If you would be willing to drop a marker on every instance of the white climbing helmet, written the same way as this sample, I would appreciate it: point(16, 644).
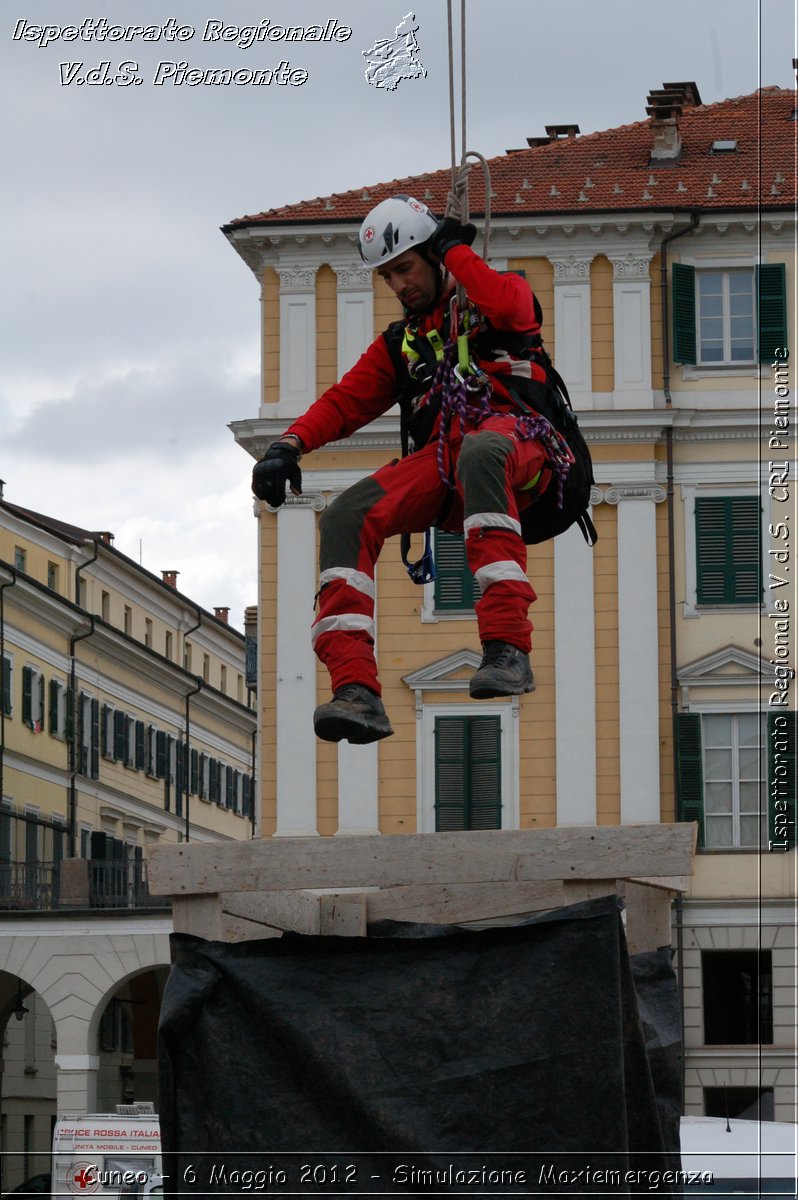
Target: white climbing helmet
point(394, 226)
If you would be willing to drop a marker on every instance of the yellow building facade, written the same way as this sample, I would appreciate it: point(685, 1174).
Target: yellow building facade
point(664, 657)
point(126, 720)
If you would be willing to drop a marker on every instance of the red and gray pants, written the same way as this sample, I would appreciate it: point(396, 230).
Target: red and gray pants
point(491, 468)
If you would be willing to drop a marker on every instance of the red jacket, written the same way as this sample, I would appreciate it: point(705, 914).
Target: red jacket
point(370, 387)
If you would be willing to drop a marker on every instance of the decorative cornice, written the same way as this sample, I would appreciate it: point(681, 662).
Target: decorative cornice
point(312, 500)
point(353, 278)
point(297, 278)
point(566, 270)
point(643, 491)
point(630, 266)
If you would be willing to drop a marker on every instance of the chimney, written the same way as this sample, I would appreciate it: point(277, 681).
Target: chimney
point(222, 614)
point(170, 578)
point(665, 106)
point(557, 133)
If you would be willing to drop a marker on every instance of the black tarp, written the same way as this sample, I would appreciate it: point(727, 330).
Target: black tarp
point(500, 1061)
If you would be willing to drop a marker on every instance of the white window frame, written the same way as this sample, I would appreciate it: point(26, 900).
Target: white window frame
point(508, 713)
point(753, 370)
point(724, 274)
point(734, 709)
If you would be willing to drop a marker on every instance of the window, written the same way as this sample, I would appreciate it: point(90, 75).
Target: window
point(33, 699)
point(128, 620)
point(167, 648)
point(725, 303)
point(187, 656)
point(738, 997)
point(52, 576)
point(727, 318)
point(89, 736)
point(736, 774)
point(728, 550)
point(20, 558)
point(147, 632)
point(105, 606)
point(745, 1103)
point(206, 667)
point(455, 589)
point(57, 708)
point(223, 678)
point(467, 773)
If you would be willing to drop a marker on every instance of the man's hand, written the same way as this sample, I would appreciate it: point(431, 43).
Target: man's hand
point(278, 467)
point(448, 233)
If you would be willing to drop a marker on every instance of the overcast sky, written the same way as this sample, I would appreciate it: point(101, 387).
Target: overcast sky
point(129, 325)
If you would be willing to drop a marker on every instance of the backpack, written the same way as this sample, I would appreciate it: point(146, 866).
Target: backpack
point(545, 517)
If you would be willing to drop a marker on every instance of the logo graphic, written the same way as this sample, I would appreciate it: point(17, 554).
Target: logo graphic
point(390, 60)
point(368, 234)
point(414, 204)
point(82, 1178)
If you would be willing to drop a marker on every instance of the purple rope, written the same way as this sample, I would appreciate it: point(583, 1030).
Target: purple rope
point(474, 406)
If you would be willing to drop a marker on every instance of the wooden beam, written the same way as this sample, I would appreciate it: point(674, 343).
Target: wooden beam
point(452, 903)
point(495, 856)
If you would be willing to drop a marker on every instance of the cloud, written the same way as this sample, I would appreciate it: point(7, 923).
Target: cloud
point(158, 410)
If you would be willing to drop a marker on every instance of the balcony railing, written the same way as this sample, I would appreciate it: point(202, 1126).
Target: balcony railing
point(75, 883)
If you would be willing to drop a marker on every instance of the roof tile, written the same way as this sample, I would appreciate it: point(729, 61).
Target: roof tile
point(615, 165)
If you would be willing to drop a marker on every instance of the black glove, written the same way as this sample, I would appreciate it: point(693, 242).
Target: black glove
point(279, 466)
point(448, 233)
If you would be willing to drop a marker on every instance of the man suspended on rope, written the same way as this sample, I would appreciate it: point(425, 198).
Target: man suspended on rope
point(476, 460)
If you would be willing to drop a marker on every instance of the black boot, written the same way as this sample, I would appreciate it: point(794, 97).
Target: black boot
point(355, 714)
point(504, 671)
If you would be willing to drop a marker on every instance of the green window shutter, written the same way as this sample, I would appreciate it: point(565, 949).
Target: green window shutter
point(119, 736)
point(194, 773)
point(83, 749)
point(95, 739)
point(771, 289)
point(7, 706)
point(467, 773)
point(27, 696)
point(53, 697)
point(455, 589)
point(684, 327)
point(160, 755)
point(141, 746)
point(70, 715)
point(451, 773)
point(728, 550)
point(782, 779)
point(689, 771)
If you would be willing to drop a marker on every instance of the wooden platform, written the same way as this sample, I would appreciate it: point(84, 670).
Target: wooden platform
point(234, 891)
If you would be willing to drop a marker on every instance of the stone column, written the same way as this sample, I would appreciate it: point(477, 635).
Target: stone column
point(575, 673)
point(295, 693)
point(572, 325)
point(297, 338)
point(355, 297)
point(631, 296)
point(76, 1082)
point(638, 649)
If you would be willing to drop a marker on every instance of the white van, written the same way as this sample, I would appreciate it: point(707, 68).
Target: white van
point(106, 1155)
point(748, 1158)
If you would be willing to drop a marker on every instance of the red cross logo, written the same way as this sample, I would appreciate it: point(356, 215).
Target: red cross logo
point(368, 234)
point(82, 1178)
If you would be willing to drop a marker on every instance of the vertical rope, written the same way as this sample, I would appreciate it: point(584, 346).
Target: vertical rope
point(451, 91)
